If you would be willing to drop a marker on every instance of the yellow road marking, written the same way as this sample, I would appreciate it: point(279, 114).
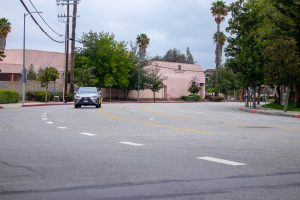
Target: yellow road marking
point(292, 129)
point(111, 115)
point(168, 115)
point(175, 128)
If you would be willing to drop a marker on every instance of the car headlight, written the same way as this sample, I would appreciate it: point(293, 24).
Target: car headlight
point(77, 97)
point(94, 97)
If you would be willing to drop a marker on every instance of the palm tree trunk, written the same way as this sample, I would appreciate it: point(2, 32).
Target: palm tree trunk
point(287, 98)
point(72, 64)
point(2, 42)
point(298, 95)
point(254, 97)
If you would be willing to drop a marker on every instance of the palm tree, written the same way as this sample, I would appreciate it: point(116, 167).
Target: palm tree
point(219, 38)
point(5, 28)
point(219, 11)
point(143, 42)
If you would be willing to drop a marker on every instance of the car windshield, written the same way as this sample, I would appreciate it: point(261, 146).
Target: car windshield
point(87, 90)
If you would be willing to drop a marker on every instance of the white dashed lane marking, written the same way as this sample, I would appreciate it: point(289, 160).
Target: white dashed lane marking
point(131, 143)
point(218, 160)
point(87, 134)
point(62, 127)
point(50, 122)
point(44, 118)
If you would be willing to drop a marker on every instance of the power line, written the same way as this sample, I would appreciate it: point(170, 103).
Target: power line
point(28, 11)
point(184, 70)
point(44, 19)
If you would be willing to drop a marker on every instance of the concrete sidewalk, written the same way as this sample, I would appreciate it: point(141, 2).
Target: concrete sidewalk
point(273, 112)
point(32, 104)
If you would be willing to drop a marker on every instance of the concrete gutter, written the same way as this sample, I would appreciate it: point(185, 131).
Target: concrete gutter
point(271, 112)
point(32, 104)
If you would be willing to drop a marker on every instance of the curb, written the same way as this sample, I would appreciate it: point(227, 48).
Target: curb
point(106, 102)
point(48, 104)
point(270, 113)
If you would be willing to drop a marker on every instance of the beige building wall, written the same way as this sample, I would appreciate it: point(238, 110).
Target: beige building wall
point(180, 76)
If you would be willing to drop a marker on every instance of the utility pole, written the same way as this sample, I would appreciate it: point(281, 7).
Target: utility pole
point(72, 61)
point(65, 18)
point(67, 50)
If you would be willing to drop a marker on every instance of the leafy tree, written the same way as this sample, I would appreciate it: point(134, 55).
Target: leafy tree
point(285, 20)
point(32, 75)
point(174, 55)
point(245, 49)
point(229, 82)
point(47, 75)
point(283, 66)
point(138, 73)
point(85, 76)
point(109, 60)
point(194, 89)
point(5, 28)
point(155, 80)
point(189, 57)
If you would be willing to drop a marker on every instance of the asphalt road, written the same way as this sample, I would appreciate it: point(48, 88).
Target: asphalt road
point(148, 151)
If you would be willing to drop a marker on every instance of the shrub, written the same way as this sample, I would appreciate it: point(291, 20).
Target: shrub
point(191, 97)
point(38, 96)
point(213, 98)
point(69, 97)
point(8, 96)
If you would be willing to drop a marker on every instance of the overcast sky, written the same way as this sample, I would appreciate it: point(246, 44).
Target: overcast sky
point(168, 24)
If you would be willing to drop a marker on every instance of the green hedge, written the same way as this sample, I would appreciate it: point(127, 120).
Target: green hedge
point(191, 97)
point(8, 96)
point(38, 96)
point(213, 98)
point(69, 97)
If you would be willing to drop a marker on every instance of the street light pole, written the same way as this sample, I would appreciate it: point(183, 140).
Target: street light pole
point(24, 61)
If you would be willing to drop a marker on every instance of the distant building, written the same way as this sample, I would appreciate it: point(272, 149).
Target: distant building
point(12, 65)
point(180, 75)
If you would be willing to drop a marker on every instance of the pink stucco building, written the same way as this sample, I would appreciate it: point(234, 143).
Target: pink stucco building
point(179, 75)
point(12, 64)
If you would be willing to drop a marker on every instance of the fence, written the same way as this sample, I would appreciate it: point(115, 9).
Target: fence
point(31, 86)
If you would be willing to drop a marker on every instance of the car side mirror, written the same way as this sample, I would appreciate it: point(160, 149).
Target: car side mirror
point(75, 92)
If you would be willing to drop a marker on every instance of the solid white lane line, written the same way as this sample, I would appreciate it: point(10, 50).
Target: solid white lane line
point(87, 134)
point(227, 162)
point(131, 143)
point(50, 122)
point(44, 118)
point(62, 127)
